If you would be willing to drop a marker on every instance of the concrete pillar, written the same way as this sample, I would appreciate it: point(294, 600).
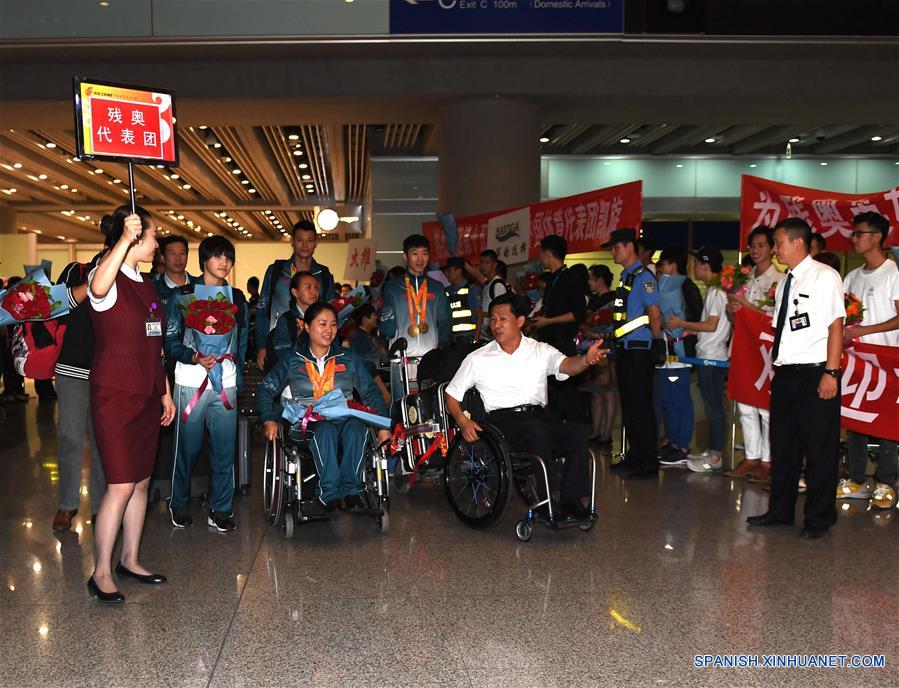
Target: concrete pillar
point(489, 156)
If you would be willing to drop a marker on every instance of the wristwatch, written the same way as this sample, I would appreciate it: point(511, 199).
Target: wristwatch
point(833, 372)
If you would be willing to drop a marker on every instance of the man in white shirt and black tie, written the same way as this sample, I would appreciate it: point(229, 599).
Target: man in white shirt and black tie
point(510, 374)
point(805, 392)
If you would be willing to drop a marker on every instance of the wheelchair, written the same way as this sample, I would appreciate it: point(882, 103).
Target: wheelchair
point(477, 478)
point(290, 477)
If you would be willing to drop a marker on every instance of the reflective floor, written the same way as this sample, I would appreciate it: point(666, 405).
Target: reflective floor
point(669, 572)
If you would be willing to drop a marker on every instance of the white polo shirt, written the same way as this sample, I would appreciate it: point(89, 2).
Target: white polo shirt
point(817, 291)
point(879, 290)
point(508, 380)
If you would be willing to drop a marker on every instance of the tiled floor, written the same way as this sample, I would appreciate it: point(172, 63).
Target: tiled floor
point(669, 572)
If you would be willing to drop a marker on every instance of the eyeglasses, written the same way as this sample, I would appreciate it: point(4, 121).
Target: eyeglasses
point(859, 232)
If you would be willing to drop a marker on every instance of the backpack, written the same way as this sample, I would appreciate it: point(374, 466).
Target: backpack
point(36, 346)
point(491, 290)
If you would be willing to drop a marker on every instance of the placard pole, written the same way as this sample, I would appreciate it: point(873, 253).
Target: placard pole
point(131, 187)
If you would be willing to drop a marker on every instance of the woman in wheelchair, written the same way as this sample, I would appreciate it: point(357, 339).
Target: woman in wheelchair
point(319, 365)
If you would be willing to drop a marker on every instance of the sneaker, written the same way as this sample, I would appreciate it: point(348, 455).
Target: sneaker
point(745, 468)
point(705, 463)
point(181, 517)
point(848, 489)
point(673, 457)
point(221, 521)
point(884, 497)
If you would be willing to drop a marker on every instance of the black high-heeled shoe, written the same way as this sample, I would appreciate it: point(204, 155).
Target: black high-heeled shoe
point(106, 597)
point(149, 578)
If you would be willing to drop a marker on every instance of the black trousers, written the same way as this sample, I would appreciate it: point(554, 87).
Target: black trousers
point(803, 426)
point(543, 434)
point(635, 369)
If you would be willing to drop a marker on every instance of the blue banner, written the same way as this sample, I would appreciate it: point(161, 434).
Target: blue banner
point(506, 16)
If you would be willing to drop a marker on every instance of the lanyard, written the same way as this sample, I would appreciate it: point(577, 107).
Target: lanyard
point(417, 300)
point(321, 383)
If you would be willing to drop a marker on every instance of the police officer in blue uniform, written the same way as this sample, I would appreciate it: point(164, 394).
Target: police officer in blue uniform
point(638, 324)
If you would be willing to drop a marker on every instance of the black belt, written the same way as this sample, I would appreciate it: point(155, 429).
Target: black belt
point(792, 366)
point(636, 344)
point(524, 408)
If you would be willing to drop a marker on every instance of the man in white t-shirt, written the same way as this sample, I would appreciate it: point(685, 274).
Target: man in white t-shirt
point(876, 283)
point(712, 345)
point(510, 375)
point(753, 420)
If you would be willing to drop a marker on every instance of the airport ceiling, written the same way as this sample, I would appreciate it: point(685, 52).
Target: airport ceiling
point(269, 129)
point(254, 182)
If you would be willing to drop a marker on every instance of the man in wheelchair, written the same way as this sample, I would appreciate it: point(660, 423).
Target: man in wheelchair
point(510, 374)
point(319, 365)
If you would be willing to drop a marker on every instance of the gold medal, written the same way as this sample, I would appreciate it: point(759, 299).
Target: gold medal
point(423, 327)
point(413, 331)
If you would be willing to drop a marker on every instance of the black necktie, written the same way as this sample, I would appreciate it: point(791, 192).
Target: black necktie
point(781, 317)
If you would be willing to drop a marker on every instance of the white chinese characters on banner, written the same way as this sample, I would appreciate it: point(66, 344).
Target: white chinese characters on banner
point(509, 235)
point(360, 260)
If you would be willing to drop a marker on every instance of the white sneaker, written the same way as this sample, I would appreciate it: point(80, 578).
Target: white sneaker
point(705, 463)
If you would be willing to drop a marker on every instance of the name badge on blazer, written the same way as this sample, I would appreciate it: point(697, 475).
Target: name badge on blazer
point(799, 322)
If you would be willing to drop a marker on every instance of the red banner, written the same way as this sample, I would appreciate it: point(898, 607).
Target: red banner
point(764, 202)
point(869, 387)
point(585, 220)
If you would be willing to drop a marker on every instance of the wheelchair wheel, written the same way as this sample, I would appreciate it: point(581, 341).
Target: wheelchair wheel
point(524, 530)
point(289, 523)
point(271, 476)
point(477, 479)
point(401, 484)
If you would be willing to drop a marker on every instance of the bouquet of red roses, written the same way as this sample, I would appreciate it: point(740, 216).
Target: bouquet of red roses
point(209, 323)
point(855, 310)
point(33, 298)
point(734, 279)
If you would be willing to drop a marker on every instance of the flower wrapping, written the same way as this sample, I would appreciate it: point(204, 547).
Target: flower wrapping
point(34, 298)
point(855, 310)
point(345, 305)
point(332, 405)
point(209, 315)
point(734, 279)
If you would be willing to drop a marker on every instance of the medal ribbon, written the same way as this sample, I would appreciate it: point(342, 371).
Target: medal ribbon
point(417, 301)
point(321, 384)
point(193, 402)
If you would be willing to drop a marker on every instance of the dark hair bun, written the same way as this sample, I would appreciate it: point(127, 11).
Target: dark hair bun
point(107, 225)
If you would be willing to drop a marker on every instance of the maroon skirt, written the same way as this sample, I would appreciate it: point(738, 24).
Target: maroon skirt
point(127, 430)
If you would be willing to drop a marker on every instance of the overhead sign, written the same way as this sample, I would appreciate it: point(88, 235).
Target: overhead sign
point(124, 123)
point(766, 202)
point(360, 260)
point(506, 16)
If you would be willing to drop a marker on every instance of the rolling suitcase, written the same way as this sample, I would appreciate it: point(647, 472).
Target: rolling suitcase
point(244, 451)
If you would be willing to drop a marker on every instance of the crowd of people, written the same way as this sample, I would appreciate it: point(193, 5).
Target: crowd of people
point(133, 359)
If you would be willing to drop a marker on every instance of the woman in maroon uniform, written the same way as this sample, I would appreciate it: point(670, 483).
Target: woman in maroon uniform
point(129, 393)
